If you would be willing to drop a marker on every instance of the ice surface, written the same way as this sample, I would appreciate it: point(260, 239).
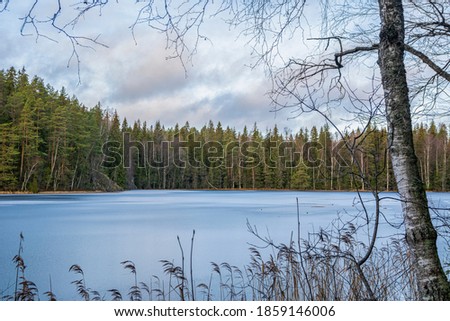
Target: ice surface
point(99, 230)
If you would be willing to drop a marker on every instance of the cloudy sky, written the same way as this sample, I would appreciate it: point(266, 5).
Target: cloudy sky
point(137, 79)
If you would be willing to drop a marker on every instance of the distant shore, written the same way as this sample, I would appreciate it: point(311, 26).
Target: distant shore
point(182, 189)
point(49, 192)
point(219, 189)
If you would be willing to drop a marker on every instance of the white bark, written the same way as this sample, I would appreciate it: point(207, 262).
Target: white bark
point(420, 233)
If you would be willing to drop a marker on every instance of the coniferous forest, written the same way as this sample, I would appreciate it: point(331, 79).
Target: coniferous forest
point(49, 141)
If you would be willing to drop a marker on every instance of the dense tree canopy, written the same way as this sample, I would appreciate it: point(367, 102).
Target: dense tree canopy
point(50, 141)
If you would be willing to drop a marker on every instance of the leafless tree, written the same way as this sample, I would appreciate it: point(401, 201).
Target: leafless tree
point(361, 54)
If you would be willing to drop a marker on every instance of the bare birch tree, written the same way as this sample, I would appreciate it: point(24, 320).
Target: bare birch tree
point(420, 233)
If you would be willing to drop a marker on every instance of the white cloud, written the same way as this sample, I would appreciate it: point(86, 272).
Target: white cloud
point(139, 81)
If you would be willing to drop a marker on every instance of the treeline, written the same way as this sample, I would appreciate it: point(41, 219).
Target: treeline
point(50, 141)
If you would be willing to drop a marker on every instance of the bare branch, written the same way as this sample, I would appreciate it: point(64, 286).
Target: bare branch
point(4, 5)
point(339, 55)
point(440, 71)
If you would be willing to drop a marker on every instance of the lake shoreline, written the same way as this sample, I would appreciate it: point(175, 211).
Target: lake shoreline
point(180, 189)
point(50, 192)
point(200, 190)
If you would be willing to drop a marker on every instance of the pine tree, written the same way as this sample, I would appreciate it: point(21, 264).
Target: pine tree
point(300, 179)
point(115, 170)
point(8, 157)
point(29, 145)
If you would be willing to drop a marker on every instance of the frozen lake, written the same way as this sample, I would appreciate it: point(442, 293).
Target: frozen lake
point(97, 231)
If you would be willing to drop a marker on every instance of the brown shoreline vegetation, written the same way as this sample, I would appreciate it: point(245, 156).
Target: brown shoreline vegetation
point(320, 269)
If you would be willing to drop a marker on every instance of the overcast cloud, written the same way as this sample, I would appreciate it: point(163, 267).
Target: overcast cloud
point(139, 82)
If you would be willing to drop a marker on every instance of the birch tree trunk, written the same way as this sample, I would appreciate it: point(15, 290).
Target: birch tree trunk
point(444, 169)
point(420, 233)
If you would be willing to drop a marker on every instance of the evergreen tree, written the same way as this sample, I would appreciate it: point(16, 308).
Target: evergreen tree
point(300, 179)
point(8, 157)
point(29, 145)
